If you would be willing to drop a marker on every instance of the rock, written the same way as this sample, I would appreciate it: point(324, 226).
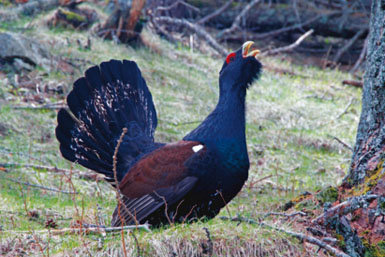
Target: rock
point(23, 52)
point(3, 129)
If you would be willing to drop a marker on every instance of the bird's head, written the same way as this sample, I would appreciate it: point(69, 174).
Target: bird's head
point(241, 67)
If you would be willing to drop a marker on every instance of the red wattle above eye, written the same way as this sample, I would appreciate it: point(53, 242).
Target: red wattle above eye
point(230, 58)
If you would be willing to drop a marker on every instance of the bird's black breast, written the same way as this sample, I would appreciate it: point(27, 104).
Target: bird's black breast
point(218, 183)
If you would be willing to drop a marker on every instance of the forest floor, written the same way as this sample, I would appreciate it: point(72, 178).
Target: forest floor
point(293, 123)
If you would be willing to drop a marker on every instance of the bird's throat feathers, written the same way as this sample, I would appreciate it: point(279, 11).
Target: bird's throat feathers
point(226, 122)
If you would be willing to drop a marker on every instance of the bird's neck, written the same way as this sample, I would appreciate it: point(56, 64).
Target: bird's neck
point(226, 124)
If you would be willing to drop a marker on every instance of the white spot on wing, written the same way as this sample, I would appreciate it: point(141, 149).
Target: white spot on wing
point(197, 148)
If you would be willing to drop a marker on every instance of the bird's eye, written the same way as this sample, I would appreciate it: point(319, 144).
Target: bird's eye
point(230, 58)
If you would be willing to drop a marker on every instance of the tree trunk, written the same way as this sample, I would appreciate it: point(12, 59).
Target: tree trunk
point(369, 151)
point(361, 222)
point(122, 22)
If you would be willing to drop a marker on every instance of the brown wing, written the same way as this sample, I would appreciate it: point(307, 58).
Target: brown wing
point(160, 176)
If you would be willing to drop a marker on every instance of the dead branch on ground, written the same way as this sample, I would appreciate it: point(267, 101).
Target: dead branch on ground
point(293, 27)
point(300, 236)
point(353, 83)
point(201, 32)
point(50, 106)
point(84, 230)
point(346, 108)
point(342, 143)
point(362, 56)
point(287, 215)
point(346, 207)
point(289, 47)
point(81, 174)
point(348, 45)
point(41, 187)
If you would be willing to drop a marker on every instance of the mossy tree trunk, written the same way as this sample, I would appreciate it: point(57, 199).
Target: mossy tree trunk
point(369, 151)
point(360, 225)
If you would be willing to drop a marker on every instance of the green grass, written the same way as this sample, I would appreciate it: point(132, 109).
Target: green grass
point(290, 124)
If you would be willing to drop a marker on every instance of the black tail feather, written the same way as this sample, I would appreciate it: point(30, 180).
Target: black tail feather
point(109, 98)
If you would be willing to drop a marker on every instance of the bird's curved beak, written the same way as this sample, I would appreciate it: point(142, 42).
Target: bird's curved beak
point(246, 50)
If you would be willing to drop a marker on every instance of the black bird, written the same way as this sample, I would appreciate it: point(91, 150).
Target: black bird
point(160, 183)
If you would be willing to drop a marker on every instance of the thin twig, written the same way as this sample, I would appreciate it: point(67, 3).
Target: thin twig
point(54, 106)
point(346, 108)
point(216, 13)
point(81, 174)
point(117, 190)
point(223, 199)
point(87, 230)
point(288, 215)
point(341, 142)
point(262, 179)
point(299, 236)
point(289, 47)
point(41, 187)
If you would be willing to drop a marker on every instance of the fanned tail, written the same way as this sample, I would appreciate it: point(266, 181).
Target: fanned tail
point(107, 99)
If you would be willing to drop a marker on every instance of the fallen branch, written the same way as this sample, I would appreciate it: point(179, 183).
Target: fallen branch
point(81, 174)
point(348, 45)
point(342, 142)
point(346, 108)
point(353, 83)
point(52, 106)
point(216, 13)
point(312, 240)
point(299, 236)
point(262, 179)
point(344, 208)
point(41, 187)
point(162, 32)
point(197, 29)
point(86, 230)
point(293, 27)
point(238, 19)
point(289, 47)
point(362, 56)
point(287, 215)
